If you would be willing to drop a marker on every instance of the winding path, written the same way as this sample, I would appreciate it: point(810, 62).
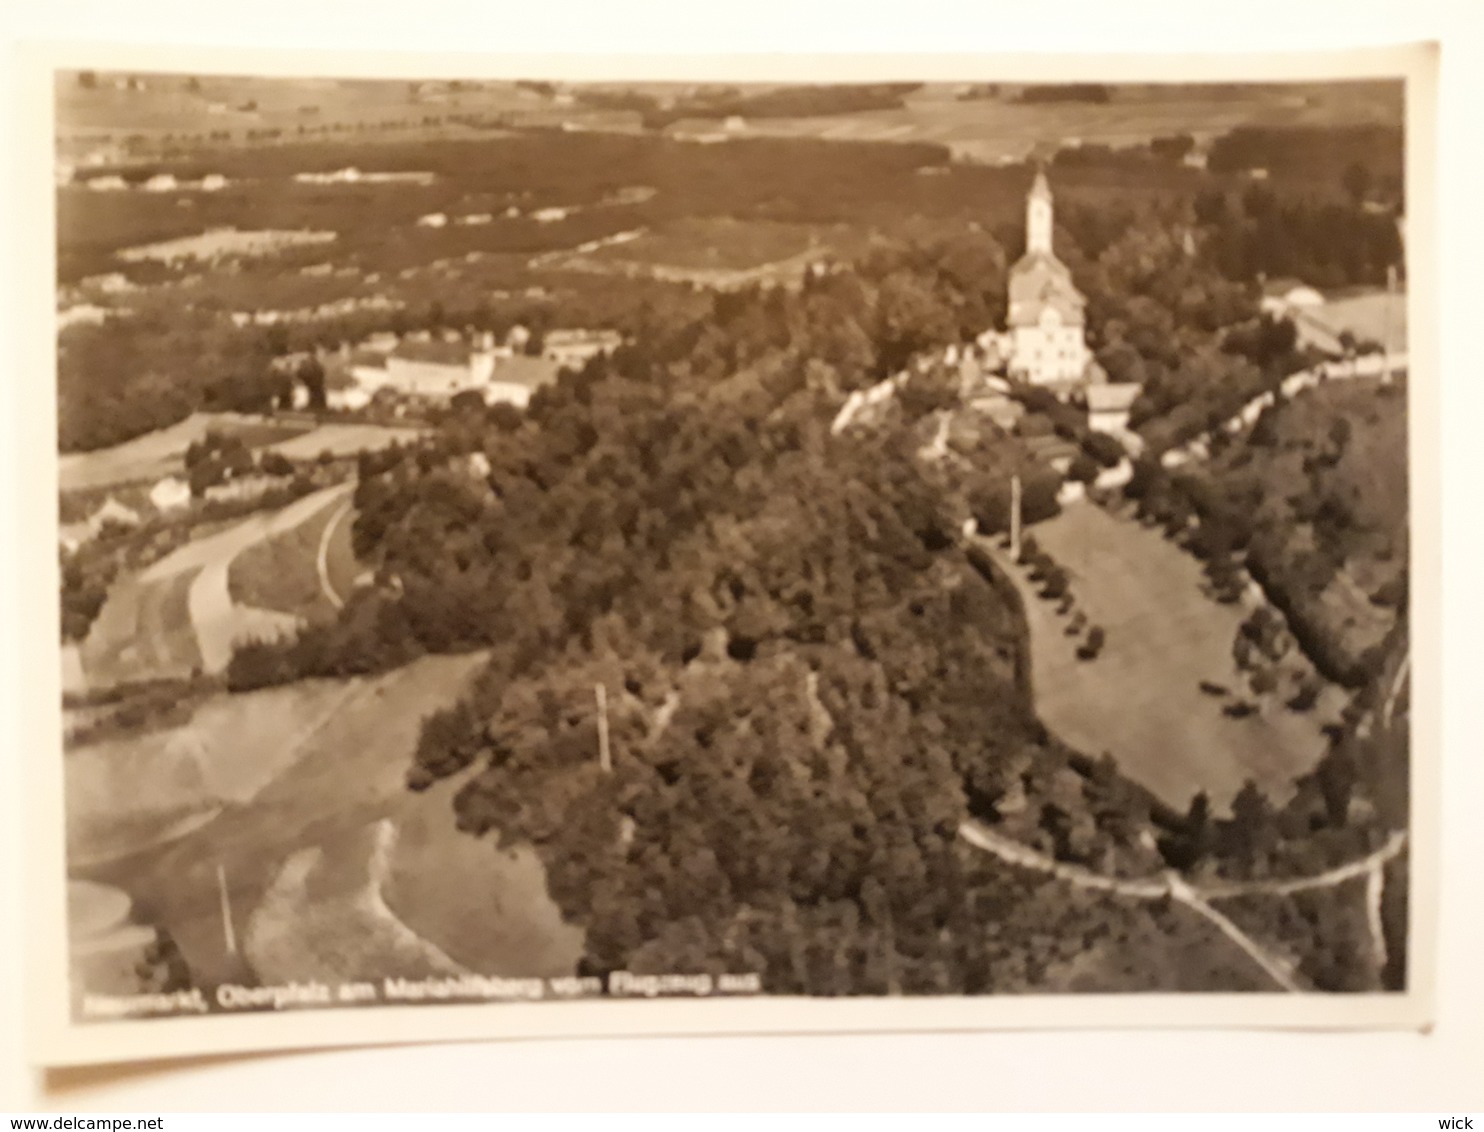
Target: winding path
point(322, 558)
point(1172, 885)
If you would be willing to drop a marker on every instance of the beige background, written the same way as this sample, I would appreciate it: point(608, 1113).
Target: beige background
point(1006, 1070)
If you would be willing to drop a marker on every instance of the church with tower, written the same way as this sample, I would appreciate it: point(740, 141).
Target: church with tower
point(1046, 323)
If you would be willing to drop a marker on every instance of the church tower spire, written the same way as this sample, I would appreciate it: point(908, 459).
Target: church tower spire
point(1038, 217)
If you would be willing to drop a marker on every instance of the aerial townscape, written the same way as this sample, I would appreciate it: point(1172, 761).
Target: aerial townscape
point(890, 539)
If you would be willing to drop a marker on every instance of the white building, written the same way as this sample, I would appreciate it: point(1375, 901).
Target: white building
point(1046, 319)
point(170, 494)
point(438, 370)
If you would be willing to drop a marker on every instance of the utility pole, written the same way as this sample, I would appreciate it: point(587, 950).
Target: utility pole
point(1386, 324)
point(1015, 518)
point(605, 758)
point(228, 934)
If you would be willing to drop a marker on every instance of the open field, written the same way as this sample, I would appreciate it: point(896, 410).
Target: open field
point(222, 243)
point(330, 762)
point(143, 631)
point(713, 251)
point(102, 118)
point(1003, 128)
point(178, 614)
point(484, 907)
point(281, 573)
point(123, 792)
point(323, 918)
point(716, 243)
point(161, 453)
point(344, 440)
point(1140, 699)
point(1372, 314)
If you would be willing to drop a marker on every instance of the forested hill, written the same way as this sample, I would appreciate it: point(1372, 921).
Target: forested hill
point(808, 686)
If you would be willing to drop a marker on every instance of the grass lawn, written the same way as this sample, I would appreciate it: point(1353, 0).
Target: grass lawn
point(1140, 700)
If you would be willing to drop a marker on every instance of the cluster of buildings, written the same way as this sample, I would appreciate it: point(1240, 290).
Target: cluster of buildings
point(439, 367)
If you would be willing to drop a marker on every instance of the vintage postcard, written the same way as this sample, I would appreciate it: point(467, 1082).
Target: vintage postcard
point(555, 546)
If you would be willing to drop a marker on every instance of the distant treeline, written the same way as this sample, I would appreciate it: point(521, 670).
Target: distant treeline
point(1284, 149)
point(1066, 92)
point(810, 101)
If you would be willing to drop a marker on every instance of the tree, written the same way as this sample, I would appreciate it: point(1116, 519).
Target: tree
point(88, 80)
point(1197, 829)
point(1357, 181)
point(1084, 469)
point(312, 374)
point(1056, 584)
point(1254, 833)
point(273, 463)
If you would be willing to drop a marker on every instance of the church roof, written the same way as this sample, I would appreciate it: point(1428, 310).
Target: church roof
point(1041, 187)
point(1039, 280)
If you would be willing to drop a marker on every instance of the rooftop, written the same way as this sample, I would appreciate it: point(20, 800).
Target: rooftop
point(439, 353)
point(1112, 398)
point(522, 369)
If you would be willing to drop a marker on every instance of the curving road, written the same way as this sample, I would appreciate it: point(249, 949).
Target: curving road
point(220, 625)
point(322, 557)
point(1173, 886)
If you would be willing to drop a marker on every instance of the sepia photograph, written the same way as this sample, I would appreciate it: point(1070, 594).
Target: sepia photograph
point(536, 542)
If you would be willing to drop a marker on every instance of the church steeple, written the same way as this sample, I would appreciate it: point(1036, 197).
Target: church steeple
point(1038, 217)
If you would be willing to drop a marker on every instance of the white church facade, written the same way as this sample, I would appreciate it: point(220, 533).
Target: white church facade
point(1046, 321)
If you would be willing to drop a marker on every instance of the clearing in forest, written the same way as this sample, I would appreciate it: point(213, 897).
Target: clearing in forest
point(1140, 699)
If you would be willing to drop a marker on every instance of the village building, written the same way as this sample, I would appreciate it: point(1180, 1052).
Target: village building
point(516, 378)
point(1108, 406)
point(577, 347)
point(1046, 320)
point(436, 369)
point(439, 370)
point(112, 513)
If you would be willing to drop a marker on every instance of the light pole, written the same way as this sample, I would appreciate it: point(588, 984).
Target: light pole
point(1015, 518)
point(605, 758)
